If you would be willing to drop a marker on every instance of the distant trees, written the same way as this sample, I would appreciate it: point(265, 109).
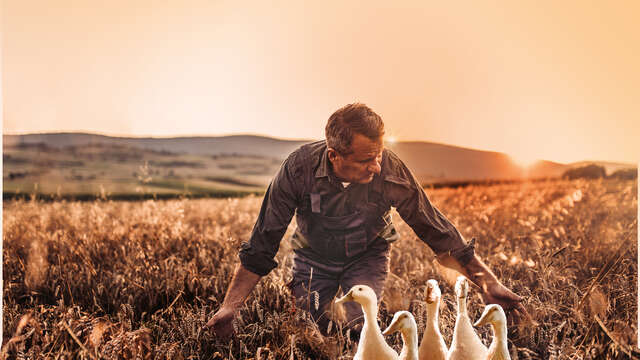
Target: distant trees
point(625, 174)
point(593, 171)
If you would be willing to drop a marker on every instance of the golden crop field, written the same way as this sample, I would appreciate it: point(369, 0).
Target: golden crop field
point(137, 280)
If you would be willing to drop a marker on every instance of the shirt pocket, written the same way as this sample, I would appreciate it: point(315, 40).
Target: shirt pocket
point(355, 242)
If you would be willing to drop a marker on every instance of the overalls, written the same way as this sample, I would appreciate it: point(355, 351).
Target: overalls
point(339, 251)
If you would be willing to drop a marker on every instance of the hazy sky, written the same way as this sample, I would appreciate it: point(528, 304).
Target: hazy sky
point(558, 80)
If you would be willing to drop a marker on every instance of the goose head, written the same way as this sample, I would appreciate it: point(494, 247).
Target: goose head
point(403, 321)
point(433, 346)
point(462, 287)
point(433, 294)
point(362, 294)
point(493, 314)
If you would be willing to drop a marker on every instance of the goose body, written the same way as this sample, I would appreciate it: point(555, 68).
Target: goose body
point(372, 345)
point(465, 345)
point(404, 322)
point(494, 315)
point(433, 346)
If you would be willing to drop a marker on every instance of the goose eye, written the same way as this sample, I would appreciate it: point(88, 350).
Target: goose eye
point(359, 289)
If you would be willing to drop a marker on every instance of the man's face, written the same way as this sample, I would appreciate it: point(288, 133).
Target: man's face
point(362, 163)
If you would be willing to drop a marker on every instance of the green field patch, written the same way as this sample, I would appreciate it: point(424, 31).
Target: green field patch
point(231, 180)
point(47, 197)
point(177, 164)
point(190, 187)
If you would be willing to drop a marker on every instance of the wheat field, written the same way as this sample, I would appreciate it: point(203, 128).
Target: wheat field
point(137, 280)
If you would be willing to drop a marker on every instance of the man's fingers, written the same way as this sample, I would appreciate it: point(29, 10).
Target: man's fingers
point(219, 328)
point(524, 314)
point(518, 315)
point(521, 308)
point(208, 325)
point(517, 298)
point(515, 316)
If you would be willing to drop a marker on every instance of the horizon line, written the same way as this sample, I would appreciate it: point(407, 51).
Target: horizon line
point(129, 136)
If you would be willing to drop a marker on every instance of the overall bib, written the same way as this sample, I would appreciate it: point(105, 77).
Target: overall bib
point(339, 251)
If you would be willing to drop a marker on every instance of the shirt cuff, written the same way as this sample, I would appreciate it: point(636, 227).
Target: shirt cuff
point(254, 262)
point(465, 254)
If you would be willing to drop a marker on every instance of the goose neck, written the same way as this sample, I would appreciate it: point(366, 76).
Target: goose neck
point(370, 313)
point(408, 353)
point(433, 313)
point(500, 334)
point(462, 306)
point(410, 339)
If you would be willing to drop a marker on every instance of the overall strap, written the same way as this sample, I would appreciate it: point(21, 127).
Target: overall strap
point(307, 173)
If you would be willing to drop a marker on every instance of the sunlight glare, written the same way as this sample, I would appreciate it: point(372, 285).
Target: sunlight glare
point(523, 161)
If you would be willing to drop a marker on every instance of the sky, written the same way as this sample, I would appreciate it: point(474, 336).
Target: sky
point(555, 80)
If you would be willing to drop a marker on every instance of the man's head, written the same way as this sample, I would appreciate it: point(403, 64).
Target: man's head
point(354, 139)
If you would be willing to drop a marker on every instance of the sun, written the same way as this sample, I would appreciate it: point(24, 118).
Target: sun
point(523, 160)
point(391, 140)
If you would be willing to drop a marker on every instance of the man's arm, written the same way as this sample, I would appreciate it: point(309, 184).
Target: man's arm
point(256, 255)
point(444, 239)
point(241, 286)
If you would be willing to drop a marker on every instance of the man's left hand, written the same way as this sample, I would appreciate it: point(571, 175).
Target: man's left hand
point(497, 293)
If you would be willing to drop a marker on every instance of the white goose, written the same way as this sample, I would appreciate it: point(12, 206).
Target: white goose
point(404, 322)
point(433, 346)
point(494, 315)
point(465, 345)
point(371, 345)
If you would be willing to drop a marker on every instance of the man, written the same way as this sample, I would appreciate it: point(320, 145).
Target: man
point(341, 191)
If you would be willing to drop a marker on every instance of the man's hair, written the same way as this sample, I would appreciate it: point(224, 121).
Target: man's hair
point(349, 120)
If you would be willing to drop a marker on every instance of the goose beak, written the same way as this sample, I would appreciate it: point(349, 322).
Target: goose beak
point(485, 318)
point(393, 327)
point(481, 321)
point(431, 295)
point(348, 297)
point(461, 288)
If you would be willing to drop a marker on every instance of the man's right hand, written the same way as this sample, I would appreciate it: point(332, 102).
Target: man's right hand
point(221, 323)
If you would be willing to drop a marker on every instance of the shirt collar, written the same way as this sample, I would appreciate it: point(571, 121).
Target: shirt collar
point(323, 169)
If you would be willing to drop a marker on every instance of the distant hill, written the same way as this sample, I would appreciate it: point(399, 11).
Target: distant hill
point(235, 144)
point(431, 162)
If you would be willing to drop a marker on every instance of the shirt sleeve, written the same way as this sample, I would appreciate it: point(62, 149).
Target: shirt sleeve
point(429, 224)
point(278, 207)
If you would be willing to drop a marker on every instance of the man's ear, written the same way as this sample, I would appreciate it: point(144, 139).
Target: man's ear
point(332, 153)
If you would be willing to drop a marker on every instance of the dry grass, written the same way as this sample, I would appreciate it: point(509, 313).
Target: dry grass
point(137, 280)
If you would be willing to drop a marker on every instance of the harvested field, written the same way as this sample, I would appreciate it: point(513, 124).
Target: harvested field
point(137, 280)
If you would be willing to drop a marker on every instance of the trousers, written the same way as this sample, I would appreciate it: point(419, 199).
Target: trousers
point(312, 274)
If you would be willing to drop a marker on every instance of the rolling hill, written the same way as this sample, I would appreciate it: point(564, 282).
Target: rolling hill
point(80, 162)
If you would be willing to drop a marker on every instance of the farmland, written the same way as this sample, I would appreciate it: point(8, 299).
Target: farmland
point(115, 279)
point(120, 171)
